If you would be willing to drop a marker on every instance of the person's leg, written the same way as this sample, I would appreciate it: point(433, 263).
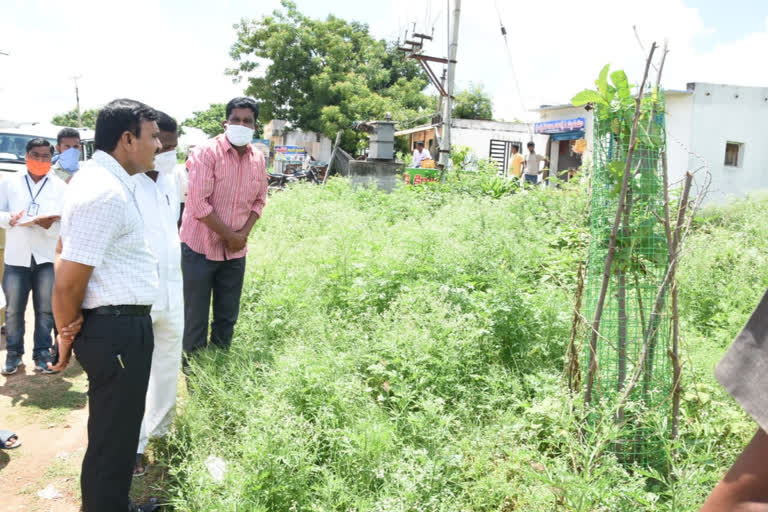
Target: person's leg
point(198, 280)
point(227, 288)
point(166, 361)
point(42, 290)
point(745, 487)
point(17, 282)
point(116, 354)
point(531, 179)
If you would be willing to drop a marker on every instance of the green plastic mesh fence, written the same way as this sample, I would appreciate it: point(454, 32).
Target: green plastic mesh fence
point(633, 342)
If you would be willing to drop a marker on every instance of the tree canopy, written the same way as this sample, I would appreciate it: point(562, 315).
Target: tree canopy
point(473, 103)
point(70, 118)
point(209, 121)
point(322, 75)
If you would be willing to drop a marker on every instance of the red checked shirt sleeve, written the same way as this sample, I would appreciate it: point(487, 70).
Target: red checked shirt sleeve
point(261, 195)
point(201, 182)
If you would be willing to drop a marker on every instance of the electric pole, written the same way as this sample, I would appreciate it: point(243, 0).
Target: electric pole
point(414, 50)
point(445, 146)
point(77, 98)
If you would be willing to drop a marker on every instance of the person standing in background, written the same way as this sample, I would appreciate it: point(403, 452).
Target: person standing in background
point(30, 204)
point(157, 194)
point(227, 193)
point(68, 148)
point(532, 164)
point(516, 161)
point(420, 154)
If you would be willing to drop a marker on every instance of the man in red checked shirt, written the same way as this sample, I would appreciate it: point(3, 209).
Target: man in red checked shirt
point(227, 192)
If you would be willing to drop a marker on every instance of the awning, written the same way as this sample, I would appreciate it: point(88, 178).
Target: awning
point(577, 134)
point(415, 130)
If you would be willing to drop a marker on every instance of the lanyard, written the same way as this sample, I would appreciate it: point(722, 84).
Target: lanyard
point(34, 197)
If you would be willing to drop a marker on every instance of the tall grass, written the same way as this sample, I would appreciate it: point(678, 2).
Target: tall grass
point(404, 352)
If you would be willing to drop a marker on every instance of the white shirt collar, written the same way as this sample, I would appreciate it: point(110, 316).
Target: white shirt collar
point(108, 162)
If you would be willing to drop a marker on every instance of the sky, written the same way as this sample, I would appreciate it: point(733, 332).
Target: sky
point(172, 54)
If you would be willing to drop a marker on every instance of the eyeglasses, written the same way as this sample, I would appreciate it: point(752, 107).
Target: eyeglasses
point(40, 157)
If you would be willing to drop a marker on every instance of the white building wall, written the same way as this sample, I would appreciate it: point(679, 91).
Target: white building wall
point(309, 141)
point(725, 113)
point(678, 125)
point(477, 135)
point(699, 123)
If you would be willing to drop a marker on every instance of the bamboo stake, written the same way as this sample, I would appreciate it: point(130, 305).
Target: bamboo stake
point(676, 368)
point(573, 354)
point(614, 231)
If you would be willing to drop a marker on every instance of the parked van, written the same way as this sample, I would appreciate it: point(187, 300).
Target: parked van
point(13, 144)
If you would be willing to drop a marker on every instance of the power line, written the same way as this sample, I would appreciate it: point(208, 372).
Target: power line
point(512, 67)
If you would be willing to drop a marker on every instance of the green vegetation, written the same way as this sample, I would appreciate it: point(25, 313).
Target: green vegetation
point(209, 121)
point(473, 103)
point(628, 260)
point(322, 75)
point(70, 118)
point(405, 351)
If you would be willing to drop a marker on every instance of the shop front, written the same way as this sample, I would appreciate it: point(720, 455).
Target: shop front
point(567, 145)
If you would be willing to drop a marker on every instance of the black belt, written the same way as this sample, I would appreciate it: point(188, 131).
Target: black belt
point(126, 310)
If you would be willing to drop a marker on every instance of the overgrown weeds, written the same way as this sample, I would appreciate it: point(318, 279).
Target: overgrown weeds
point(404, 352)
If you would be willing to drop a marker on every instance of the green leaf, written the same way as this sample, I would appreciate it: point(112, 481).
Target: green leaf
point(623, 91)
point(603, 86)
point(616, 168)
point(588, 96)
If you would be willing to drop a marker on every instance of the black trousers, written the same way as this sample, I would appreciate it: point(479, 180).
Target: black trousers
point(116, 354)
point(204, 278)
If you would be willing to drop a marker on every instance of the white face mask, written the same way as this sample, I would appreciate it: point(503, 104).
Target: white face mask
point(165, 162)
point(239, 135)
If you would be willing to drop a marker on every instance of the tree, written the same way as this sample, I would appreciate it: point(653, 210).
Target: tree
point(70, 118)
point(473, 103)
point(323, 75)
point(209, 120)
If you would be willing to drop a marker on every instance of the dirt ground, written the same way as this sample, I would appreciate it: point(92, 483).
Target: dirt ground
point(50, 415)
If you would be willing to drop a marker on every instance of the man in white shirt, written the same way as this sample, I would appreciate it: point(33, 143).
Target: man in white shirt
point(420, 154)
point(30, 205)
point(106, 274)
point(532, 164)
point(157, 193)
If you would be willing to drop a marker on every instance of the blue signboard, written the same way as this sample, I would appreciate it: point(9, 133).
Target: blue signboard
point(561, 126)
point(263, 146)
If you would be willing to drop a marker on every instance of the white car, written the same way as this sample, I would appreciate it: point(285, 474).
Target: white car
point(13, 144)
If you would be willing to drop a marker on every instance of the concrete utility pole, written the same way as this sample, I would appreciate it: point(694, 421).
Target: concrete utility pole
point(445, 145)
point(77, 98)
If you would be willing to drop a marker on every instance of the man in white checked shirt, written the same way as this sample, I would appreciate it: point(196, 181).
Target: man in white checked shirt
point(106, 272)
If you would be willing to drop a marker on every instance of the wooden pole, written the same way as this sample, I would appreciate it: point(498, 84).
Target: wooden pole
point(333, 156)
point(573, 353)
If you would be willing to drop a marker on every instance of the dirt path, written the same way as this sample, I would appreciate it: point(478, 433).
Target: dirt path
point(50, 415)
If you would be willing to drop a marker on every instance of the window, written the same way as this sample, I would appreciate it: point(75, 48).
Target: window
point(734, 154)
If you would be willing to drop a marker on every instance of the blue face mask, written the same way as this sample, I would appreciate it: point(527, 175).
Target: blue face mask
point(70, 160)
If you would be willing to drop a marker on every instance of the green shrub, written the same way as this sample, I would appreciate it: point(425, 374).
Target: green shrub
point(404, 352)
